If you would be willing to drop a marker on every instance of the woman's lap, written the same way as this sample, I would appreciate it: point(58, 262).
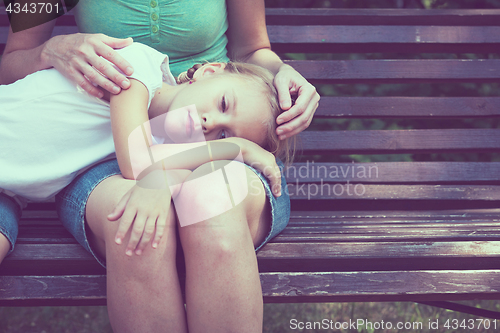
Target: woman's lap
point(71, 204)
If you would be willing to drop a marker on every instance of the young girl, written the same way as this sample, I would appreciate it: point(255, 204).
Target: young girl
point(50, 131)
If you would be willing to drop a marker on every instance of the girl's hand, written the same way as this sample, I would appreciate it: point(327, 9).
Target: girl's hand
point(260, 159)
point(77, 57)
point(298, 117)
point(147, 210)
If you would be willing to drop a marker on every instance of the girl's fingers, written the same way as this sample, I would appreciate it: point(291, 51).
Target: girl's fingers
point(274, 175)
point(137, 232)
point(149, 230)
point(125, 223)
point(120, 208)
point(160, 230)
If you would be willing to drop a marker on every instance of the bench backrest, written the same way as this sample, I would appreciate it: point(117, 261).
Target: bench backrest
point(341, 31)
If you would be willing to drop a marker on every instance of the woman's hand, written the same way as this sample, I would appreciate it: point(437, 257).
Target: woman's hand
point(262, 160)
point(298, 117)
point(147, 210)
point(78, 57)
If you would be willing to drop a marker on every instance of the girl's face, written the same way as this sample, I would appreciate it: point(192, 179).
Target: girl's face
point(217, 107)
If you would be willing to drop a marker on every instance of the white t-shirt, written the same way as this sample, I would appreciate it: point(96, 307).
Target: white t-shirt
point(51, 130)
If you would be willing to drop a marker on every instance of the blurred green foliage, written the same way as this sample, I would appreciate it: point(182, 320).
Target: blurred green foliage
point(428, 90)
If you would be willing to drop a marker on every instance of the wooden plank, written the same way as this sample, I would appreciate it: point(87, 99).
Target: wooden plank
point(384, 39)
point(408, 107)
point(366, 16)
point(380, 286)
point(394, 172)
point(399, 71)
point(279, 287)
point(400, 141)
point(326, 191)
point(45, 290)
point(380, 256)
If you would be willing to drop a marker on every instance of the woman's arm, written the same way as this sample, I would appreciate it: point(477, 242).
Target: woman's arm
point(248, 41)
point(76, 56)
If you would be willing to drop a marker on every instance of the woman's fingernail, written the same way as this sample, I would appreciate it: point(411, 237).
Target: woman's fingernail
point(129, 70)
point(155, 245)
point(118, 241)
point(282, 137)
point(138, 252)
point(116, 89)
point(280, 131)
point(129, 253)
point(125, 84)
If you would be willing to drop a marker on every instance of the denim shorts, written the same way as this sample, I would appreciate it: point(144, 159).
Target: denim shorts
point(10, 214)
point(71, 202)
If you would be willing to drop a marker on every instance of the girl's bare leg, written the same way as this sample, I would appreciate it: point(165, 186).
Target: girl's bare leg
point(143, 291)
point(4, 247)
point(223, 290)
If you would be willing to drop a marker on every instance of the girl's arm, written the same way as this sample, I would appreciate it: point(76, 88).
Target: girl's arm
point(248, 41)
point(136, 153)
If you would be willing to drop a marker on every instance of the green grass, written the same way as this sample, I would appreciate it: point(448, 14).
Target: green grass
point(277, 317)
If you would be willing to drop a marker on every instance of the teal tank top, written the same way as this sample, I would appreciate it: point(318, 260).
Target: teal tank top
point(188, 31)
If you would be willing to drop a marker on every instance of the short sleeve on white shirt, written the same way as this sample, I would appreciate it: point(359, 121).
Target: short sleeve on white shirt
point(150, 67)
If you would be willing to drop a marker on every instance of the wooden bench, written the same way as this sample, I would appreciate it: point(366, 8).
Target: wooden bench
point(388, 231)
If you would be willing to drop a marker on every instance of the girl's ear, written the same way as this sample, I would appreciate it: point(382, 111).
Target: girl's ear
point(209, 69)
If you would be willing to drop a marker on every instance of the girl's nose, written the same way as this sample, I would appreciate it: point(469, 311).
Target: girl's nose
point(208, 122)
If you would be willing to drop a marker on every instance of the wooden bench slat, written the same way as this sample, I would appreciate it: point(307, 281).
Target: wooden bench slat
point(386, 16)
point(280, 287)
point(326, 191)
point(399, 71)
point(381, 256)
point(374, 286)
point(385, 39)
point(400, 141)
point(394, 172)
point(52, 290)
point(408, 107)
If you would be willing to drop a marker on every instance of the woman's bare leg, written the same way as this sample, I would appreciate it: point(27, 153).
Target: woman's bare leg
point(143, 291)
point(223, 290)
point(4, 247)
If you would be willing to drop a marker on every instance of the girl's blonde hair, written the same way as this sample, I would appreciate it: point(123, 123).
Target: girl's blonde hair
point(283, 149)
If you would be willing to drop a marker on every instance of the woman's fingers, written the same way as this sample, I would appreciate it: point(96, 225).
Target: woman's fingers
point(82, 58)
point(297, 117)
point(107, 51)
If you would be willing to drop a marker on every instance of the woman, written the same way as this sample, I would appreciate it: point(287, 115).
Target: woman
point(223, 291)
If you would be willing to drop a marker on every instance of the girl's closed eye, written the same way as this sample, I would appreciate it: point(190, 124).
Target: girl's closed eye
point(223, 103)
